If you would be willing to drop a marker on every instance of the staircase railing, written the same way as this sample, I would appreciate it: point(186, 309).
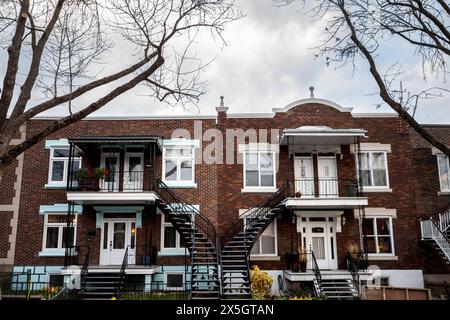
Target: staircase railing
point(317, 274)
point(122, 273)
point(85, 269)
point(356, 261)
point(444, 220)
point(185, 210)
point(253, 215)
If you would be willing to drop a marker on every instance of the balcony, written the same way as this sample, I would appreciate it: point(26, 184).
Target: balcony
point(112, 170)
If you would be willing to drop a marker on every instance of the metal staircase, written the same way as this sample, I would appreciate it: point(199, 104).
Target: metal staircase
point(237, 243)
point(437, 230)
point(199, 235)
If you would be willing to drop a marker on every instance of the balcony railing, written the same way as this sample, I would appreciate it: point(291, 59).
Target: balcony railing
point(328, 187)
point(111, 181)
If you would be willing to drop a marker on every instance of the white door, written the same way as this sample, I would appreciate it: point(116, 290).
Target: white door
point(304, 176)
point(117, 236)
point(111, 162)
point(321, 239)
point(328, 179)
point(133, 175)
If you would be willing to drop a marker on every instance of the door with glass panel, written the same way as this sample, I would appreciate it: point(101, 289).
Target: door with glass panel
point(304, 176)
point(111, 162)
point(133, 175)
point(117, 236)
point(328, 179)
point(322, 241)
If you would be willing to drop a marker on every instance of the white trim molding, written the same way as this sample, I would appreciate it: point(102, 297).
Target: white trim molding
point(377, 212)
point(302, 102)
point(181, 142)
point(372, 146)
point(259, 147)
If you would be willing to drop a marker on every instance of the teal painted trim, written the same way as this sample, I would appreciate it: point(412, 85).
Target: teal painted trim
point(54, 253)
point(179, 185)
point(173, 253)
point(139, 219)
point(57, 143)
point(99, 220)
point(181, 142)
point(61, 186)
point(59, 208)
point(118, 209)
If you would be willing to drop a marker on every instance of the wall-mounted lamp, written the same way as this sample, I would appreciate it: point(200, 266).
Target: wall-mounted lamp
point(341, 156)
point(343, 221)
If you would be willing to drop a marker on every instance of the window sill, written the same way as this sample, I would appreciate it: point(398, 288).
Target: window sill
point(444, 193)
point(259, 190)
point(54, 253)
point(180, 185)
point(173, 253)
point(374, 190)
point(382, 258)
point(257, 257)
point(55, 186)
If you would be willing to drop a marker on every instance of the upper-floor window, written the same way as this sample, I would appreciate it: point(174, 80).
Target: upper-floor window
point(178, 164)
point(373, 170)
point(444, 170)
point(59, 166)
point(259, 169)
point(56, 233)
point(378, 236)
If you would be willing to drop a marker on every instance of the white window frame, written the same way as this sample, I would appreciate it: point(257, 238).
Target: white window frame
point(62, 183)
point(168, 273)
point(60, 232)
point(179, 183)
point(274, 222)
point(259, 187)
point(375, 230)
point(440, 169)
point(372, 187)
point(178, 246)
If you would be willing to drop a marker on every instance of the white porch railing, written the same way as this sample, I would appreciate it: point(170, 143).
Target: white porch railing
point(444, 221)
point(431, 231)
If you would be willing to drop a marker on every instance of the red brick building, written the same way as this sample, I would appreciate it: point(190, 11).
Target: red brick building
point(169, 198)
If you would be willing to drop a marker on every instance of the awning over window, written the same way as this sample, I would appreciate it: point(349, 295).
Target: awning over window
point(321, 135)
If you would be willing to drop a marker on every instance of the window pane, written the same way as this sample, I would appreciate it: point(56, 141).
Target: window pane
point(58, 171)
point(251, 178)
point(171, 170)
point(443, 171)
point(186, 170)
point(378, 161)
point(119, 235)
point(175, 280)
point(384, 245)
point(367, 227)
point(61, 153)
point(267, 244)
point(270, 230)
point(266, 161)
point(369, 244)
point(364, 161)
point(68, 234)
point(57, 218)
point(56, 280)
point(52, 237)
point(251, 162)
point(178, 152)
point(365, 177)
point(105, 235)
point(383, 227)
point(318, 246)
point(379, 178)
point(169, 237)
point(76, 164)
point(267, 179)
point(256, 248)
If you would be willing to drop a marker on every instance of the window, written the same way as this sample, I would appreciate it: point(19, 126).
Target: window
point(55, 280)
point(56, 233)
point(267, 242)
point(444, 168)
point(174, 280)
point(373, 169)
point(170, 238)
point(259, 169)
point(179, 164)
point(59, 163)
point(377, 235)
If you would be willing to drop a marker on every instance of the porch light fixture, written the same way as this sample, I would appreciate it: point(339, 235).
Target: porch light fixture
point(343, 221)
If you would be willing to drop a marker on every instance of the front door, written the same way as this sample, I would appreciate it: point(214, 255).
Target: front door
point(327, 174)
point(322, 241)
point(111, 162)
point(117, 236)
point(133, 175)
point(304, 176)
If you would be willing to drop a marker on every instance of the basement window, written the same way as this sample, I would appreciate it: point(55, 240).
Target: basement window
point(174, 281)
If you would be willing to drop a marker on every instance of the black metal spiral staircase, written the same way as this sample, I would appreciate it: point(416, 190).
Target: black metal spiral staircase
point(238, 241)
point(200, 237)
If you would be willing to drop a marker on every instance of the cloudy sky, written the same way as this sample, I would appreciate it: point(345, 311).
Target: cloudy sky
point(269, 62)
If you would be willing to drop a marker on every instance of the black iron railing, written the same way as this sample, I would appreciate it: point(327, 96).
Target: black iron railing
point(85, 269)
point(317, 273)
point(104, 180)
point(156, 290)
point(356, 262)
point(123, 269)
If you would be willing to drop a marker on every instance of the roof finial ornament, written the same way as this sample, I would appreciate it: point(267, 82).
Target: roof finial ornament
point(221, 107)
point(222, 104)
point(311, 90)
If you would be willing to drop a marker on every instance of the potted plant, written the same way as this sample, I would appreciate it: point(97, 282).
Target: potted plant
point(351, 189)
point(101, 173)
